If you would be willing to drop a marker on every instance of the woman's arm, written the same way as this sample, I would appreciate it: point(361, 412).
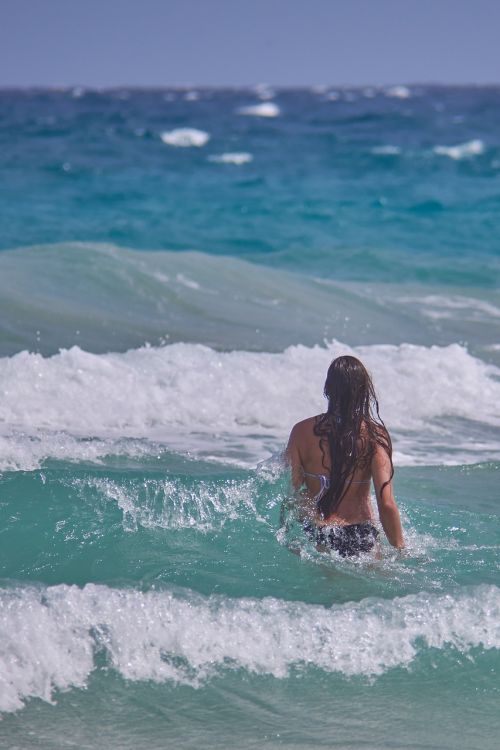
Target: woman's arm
point(387, 508)
point(292, 456)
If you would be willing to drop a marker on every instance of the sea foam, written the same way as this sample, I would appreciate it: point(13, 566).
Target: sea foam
point(185, 137)
point(264, 109)
point(447, 305)
point(264, 91)
point(462, 150)
point(189, 395)
point(398, 92)
point(50, 636)
point(233, 157)
point(387, 150)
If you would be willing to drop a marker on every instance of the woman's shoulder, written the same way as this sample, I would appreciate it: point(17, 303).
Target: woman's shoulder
point(305, 425)
point(303, 431)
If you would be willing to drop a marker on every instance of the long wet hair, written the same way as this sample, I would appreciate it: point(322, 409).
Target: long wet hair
point(351, 429)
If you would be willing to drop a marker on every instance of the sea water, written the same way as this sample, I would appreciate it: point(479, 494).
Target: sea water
point(178, 267)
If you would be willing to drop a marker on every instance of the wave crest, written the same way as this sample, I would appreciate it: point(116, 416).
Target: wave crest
point(185, 137)
point(264, 109)
point(50, 636)
point(466, 150)
point(192, 397)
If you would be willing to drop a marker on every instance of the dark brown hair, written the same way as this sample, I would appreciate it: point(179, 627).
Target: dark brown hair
point(350, 430)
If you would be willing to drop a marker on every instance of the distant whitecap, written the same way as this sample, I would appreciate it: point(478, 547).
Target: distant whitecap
point(236, 157)
point(386, 150)
point(461, 150)
point(191, 96)
point(398, 92)
point(264, 109)
point(264, 92)
point(185, 137)
point(332, 96)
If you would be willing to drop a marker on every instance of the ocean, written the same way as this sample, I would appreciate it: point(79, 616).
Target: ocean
point(178, 267)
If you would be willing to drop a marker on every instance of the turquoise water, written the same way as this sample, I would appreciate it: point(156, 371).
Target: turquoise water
point(167, 312)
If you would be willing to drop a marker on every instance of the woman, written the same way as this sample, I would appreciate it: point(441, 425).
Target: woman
point(334, 457)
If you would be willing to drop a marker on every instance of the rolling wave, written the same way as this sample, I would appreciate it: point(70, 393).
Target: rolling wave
point(51, 637)
point(107, 298)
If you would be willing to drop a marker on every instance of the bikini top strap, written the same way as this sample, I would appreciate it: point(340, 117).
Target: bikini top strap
point(324, 478)
point(324, 481)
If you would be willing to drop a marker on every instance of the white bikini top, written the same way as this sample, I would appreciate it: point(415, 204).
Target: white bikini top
point(324, 480)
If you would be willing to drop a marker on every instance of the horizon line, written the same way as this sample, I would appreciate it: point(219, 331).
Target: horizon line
point(249, 86)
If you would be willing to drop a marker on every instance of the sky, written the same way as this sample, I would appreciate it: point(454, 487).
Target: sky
point(106, 43)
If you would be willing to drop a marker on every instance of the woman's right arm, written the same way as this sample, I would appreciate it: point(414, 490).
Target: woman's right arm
point(387, 508)
point(292, 456)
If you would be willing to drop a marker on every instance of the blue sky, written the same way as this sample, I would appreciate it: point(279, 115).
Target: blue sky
point(231, 42)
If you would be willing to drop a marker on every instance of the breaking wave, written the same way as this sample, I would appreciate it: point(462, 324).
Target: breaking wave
point(51, 636)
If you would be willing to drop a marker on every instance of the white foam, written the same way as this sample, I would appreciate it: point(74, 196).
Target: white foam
point(49, 637)
point(462, 150)
point(26, 452)
point(194, 398)
point(233, 157)
point(398, 92)
point(386, 150)
point(264, 92)
point(185, 137)
point(264, 109)
point(445, 305)
point(187, 282)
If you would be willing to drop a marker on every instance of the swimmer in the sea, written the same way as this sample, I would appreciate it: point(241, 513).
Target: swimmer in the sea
point(335, 456)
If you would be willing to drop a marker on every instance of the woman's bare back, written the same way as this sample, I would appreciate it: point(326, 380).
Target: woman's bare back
point(308, 459)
